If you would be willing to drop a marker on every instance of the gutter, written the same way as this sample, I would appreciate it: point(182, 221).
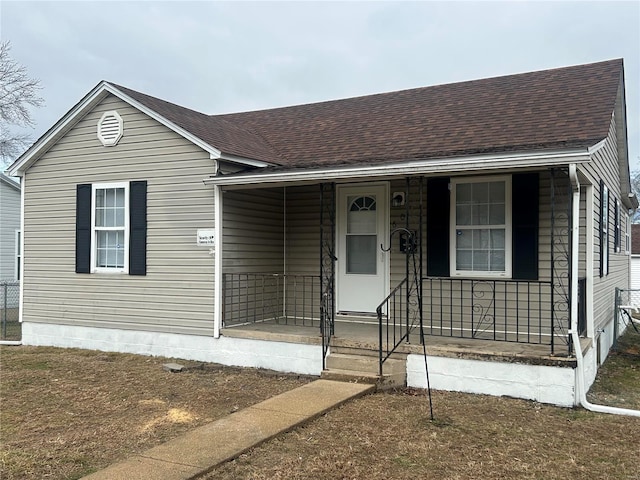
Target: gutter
point(435, 166)
point(580, 388)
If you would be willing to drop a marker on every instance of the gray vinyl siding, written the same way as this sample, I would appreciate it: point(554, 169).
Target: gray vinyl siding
point(9, 223)
point(176, 295)
point(253, 254)
point(253, 229)
point(605, 165)
point(303, 230)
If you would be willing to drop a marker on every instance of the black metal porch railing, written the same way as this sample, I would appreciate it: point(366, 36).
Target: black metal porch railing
point(504, 310)
point(284, 299)
point(393, 322)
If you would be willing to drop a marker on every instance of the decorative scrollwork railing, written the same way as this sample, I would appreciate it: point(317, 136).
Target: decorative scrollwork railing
point(504, 310)
point(327, 265)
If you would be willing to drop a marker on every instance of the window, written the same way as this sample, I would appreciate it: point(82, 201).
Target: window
point(627, 235)
point(481, 226)
point(362, 233)
point(604, 229)
point(110, 227)
point(18, 268)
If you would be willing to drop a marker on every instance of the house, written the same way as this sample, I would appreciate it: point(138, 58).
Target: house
point(9, 229)
point(489, 212)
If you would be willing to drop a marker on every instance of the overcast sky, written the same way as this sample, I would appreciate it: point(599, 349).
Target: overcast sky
point(220, 57)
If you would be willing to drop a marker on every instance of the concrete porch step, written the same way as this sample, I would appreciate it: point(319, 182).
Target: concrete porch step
point(388, 380)
point(363, 363)
point(356, 368)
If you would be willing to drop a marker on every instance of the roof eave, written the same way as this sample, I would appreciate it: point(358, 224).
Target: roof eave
point(448, 165)
point(60, 128)
point(90, 100)
point(8, 181)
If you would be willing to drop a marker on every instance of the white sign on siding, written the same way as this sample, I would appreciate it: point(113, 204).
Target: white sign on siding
point(206, 237)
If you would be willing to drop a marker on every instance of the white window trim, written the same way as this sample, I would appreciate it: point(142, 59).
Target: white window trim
point(508, 228)
point(94, 267)
point(627, 235)
point(18, 254)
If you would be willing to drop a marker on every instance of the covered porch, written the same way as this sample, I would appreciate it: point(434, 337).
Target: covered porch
point(281, 275)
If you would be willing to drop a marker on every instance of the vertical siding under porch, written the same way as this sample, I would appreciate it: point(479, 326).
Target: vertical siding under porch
point(176, 294)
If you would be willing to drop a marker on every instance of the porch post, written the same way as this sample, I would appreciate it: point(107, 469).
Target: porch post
point(561, 255)
point(327, 264)
point(217, 302)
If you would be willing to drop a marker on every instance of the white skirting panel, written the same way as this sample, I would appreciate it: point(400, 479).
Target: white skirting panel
point(553, 385)
point(278, 356)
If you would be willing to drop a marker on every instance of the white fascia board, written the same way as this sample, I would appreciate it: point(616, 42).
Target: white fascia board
point(213, 152)
point(17, 168)
point(598, 146)
point(244, 161)
point(89, 101)
point(422, 167)
point(10, 182)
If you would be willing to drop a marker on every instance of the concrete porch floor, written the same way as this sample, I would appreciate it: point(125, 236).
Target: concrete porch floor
point(365, 336)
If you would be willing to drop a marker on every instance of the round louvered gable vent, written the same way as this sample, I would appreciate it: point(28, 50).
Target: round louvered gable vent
point(110, 128)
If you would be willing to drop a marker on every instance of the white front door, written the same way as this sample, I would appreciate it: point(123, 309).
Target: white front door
point(362, 265)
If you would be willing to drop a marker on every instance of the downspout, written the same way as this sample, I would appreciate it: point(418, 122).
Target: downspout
point(580, 389)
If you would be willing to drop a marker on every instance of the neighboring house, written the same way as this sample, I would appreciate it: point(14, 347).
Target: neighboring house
point(491, 211)
point(9, 229)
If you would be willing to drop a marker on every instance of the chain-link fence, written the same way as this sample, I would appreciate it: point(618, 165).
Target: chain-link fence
point(10, 328)
point(627, 311)
point(629, 297)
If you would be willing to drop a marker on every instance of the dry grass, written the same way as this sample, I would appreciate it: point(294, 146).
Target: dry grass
point(385, 436)
point(390, 435)
point(65, 413)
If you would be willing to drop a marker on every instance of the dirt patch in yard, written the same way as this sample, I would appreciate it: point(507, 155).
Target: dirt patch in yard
point(65, 413)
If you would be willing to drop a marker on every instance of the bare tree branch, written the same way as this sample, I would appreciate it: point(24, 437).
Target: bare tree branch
point(18, 94)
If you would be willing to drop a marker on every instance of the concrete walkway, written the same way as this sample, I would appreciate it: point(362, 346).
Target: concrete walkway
point(203, 448)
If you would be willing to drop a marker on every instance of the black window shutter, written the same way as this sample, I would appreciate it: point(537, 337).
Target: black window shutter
point(138, 228)
point(438, 199)
point(602, 230)
point(83, 228)
point(616, 231)
point(525, 214)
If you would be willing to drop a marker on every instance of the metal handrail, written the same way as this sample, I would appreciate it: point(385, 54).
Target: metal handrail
point(390, 308)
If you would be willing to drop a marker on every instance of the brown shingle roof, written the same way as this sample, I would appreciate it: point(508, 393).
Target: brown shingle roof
point(552, 109)
point(216, 131)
